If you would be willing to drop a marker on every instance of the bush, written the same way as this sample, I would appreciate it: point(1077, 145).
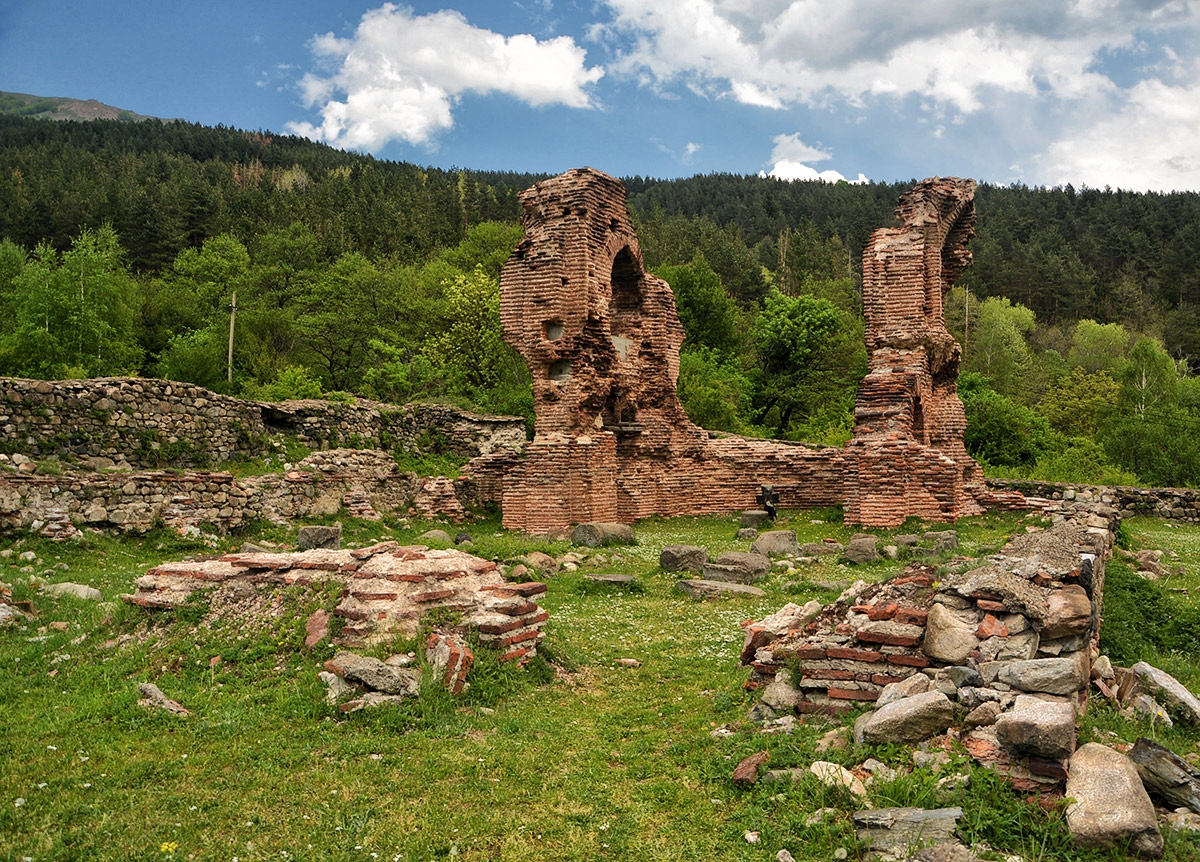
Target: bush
point(1001, 431)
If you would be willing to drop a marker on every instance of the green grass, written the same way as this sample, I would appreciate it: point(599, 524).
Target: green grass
point(591, 760)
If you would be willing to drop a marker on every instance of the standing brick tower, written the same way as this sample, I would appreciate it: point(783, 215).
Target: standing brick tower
point(907, 457)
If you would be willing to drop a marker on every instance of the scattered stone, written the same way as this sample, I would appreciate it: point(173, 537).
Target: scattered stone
point(439, 537)
point(9, 614)
point(1144, 678)
point(943, 540)
point(780, 694)
point(745, 534)
point(1145, 707)
point(899, 832)
point(1110, 804)
point(449, 658)
point(776, 543)
point(822, 549)
point(315, 537)
point(752, 837)
point(880, 771)
point(767, 630)
point(863, 548)
point(316, 628)
point(832, 775)
point(947, 638)
point(746, 773)
point(1166, 775)
point(784, 855)
point(75, 591)
point(738, 567)
point(628, 662)
point(152, 697)
point(699, 588)
point(1037, 727)
point(599, 534)
point(336, 687)
point(540, 561)
point(754, 518)
point(906, 721)
point(374, 674)
point(1182, 820)
point(682, 558)
point(625, 581)
point(461, 538)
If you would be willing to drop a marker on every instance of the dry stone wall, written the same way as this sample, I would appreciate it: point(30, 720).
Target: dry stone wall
point(59, 506)
point(142, 423)
point(1169, 504)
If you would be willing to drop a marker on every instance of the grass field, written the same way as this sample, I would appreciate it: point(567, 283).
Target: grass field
point(576, 758)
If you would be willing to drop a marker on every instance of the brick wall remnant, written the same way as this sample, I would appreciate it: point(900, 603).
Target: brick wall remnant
point(388, 589)
point(907, 458)
point(601, 337)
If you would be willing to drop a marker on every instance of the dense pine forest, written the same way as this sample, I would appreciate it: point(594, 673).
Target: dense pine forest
point(126, 248)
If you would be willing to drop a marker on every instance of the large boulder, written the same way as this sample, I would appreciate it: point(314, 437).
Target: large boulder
point(318, 537)
point(1110, 807)
point(863, 548)
point(776, 543)
point(1038, 727)
point(598, 534)
point(738, 567)
point(682, 558)
point(1144, 678)
point(906, 721)
point(947, 638)
point(700, 588)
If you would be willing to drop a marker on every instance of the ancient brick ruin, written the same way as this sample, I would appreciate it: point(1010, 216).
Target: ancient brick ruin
point(907, 457)
point(387, 589)
point(601, 337)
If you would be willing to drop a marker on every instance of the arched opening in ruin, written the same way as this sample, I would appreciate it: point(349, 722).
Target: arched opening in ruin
point(626, 282)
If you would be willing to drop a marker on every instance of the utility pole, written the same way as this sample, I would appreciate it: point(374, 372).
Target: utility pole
point(232, 315)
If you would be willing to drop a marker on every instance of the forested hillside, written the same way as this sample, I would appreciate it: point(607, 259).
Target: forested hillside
point(123, 247)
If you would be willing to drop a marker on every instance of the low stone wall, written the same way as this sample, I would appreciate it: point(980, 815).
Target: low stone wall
point(140, 423)
point(367, 482)
point(1170, 504)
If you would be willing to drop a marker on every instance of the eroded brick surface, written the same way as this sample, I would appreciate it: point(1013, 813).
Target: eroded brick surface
point(601, 337)
point(388, 589)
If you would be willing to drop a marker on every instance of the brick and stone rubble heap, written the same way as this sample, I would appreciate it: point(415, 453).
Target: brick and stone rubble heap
point(387, 589)
point(907, 458)
point(601, 337)
point(1022, 623)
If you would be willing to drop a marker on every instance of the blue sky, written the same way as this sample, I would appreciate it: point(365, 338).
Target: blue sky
point(1091, 92)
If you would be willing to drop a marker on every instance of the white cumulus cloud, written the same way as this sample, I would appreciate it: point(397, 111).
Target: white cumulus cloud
point(398, 77)
point(1150, 142)
point(791, 155)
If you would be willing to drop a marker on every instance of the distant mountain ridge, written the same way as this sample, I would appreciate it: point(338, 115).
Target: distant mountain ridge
point(63, 108)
